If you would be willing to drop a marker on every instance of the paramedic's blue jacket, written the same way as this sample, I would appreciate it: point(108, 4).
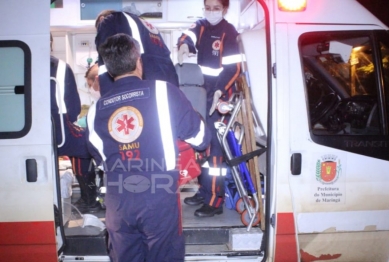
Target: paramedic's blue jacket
point(68, 96)
point(219, 59)
point(157, 64)
point(138, 122)
point(217, 52)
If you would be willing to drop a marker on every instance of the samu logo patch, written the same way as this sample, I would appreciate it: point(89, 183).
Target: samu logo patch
point(216, 45)
point(125, 124)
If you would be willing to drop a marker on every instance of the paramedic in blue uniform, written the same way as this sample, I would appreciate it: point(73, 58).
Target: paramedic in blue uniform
point(214, 41)
point(65, 104)
point(155, 54)
point(132, 130)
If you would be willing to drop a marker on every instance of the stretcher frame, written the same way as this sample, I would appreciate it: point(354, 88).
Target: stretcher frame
point(249, 145)
point(233, 139)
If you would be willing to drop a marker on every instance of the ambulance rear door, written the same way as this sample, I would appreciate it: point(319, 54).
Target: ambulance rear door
point(27, 192)
point(337, 117)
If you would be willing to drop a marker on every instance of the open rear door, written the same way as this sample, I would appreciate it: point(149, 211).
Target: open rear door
point(27, 188)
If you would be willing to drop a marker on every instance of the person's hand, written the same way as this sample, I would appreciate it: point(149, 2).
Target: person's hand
point(216, 96)
point(184, 49)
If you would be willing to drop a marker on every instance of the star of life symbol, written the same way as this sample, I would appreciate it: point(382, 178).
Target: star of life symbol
point(125, 124)
point(216, 45)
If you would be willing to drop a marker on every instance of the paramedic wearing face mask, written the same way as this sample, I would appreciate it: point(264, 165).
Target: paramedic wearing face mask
point(155, 54)
point(92, 80)
point(134, 124)
point(214, 40)
point(92, 83)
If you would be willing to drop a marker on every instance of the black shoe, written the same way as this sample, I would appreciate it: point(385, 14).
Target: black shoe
point(80, 203)
point(85, 207)
point(93, 207)
point(194, 200)
point(208, 211)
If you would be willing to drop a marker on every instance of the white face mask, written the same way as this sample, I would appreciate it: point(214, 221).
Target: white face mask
point(94, 94)
point(213, 17)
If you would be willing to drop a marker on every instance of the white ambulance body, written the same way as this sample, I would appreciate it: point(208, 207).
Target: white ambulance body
point(318, 73)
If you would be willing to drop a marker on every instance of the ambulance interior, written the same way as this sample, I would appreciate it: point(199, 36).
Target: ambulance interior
point(72, 28)
point(342, 95)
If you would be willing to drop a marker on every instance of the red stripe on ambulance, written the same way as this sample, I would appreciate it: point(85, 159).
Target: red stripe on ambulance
point(286, 246)
point(28, 241)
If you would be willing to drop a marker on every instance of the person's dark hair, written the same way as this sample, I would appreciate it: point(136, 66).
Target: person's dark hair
point(103, 14)
point(225, 3)
point(120, 53)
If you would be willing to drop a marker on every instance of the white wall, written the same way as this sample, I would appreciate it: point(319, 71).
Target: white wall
point(75, 48)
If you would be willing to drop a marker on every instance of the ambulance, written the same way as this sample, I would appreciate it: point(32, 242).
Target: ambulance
point(317, 78)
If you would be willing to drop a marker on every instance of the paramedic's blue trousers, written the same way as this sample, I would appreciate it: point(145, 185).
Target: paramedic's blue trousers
point(144, 225)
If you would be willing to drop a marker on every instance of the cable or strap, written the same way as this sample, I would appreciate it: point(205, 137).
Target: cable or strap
point(243, 158)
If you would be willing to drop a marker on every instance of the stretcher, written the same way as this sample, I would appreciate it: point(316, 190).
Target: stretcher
point(231, 136)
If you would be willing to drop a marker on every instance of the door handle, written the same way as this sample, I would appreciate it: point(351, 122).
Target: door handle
point(295, 164)
point(31, 170)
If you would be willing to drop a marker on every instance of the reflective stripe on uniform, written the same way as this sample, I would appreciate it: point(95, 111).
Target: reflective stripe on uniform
point(232, 59)
point(211, 71)
point(135, 31)
point(215, 171)
point(164, 123)
point(60, 96)
point(198, 139)
point(191, 35)
point(94, 138)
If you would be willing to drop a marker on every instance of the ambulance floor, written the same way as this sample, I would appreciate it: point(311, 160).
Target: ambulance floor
point(229, 218)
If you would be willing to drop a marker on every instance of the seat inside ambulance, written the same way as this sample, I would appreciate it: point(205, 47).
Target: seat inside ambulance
point(191, 81)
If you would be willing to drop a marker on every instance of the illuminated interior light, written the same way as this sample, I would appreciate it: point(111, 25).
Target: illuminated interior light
point(292, 5)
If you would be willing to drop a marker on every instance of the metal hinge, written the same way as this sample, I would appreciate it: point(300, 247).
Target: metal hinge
point(274, 70)
point(273, 220)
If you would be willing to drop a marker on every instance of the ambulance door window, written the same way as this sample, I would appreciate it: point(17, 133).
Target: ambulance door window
point(15, 89)
point(345, 97)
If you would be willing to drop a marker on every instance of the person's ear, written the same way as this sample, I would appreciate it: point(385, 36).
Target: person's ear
point(225, 10)
point(139, 63)
point(96, 83)
point(139, 67)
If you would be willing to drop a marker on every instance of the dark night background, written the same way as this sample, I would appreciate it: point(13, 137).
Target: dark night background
point(380, 8)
